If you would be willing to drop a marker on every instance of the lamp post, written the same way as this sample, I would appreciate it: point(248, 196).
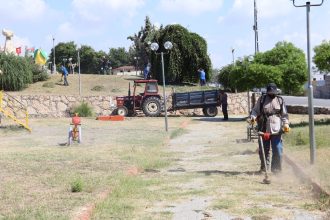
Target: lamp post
point(154, 47)
point(54, 65)
point(310, 84)
point(233, 55)
point(79, 70)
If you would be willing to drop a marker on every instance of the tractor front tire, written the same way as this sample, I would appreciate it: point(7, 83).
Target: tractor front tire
point(211, 111)
point(151, 106)
point(123, 111)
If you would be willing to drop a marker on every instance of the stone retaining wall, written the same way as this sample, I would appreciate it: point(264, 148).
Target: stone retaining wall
point(61, 105)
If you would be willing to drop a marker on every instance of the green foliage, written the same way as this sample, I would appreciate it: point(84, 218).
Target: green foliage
point(189, 53)
point(119, 57)
point(301, 139)
point(18, 72)
point(77, 185)
point(291, 61)
point(83, 110)
point(284, 65)
point(141, 42)
point(322, 56)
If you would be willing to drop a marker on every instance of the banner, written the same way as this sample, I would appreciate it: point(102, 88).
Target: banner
point(18, 50)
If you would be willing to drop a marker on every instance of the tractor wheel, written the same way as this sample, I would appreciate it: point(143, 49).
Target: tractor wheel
point(123, 111)
point(211, 111)
point(151, 106)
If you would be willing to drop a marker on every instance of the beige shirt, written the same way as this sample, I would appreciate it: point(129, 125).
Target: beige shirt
point(275, 118)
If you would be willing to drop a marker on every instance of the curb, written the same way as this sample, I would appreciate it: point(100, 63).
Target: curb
point(299, 172)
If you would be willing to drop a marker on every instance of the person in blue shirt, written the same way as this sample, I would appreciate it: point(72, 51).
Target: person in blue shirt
point(202, 77)
point(65, 75)
point(146, 71)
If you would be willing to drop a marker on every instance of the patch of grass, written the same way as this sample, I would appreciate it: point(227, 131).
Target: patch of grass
point(115, 90)
point(224, 204)
point(83, 110)
point(316, 122)
point(323, 204)
point(178, 132)
point(255, 211)
point(98, 88)
point(300, 139)
point(48, 85)
point(123, 201)
point(77, 185)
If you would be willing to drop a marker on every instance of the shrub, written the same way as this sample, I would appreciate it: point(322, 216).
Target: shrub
point(83, 110)
point(18, 72)
point(77, 185)
point(98, 88)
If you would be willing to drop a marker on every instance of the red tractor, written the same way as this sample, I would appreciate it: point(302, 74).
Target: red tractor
point(146, 99)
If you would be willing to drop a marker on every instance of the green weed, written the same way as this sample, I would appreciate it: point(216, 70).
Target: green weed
point(83, 110)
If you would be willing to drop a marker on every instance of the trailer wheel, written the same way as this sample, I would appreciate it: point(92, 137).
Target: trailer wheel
point(151, 106)
point(211, 111)
point(123, 111)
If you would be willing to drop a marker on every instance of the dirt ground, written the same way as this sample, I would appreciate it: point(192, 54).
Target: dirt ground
point(213, 171)
point(224, 167)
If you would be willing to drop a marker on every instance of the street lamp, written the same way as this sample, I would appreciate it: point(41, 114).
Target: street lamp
point(154, 47)
point(233, 55)
point(54, 65)
point(310, 84)
point(79, 70)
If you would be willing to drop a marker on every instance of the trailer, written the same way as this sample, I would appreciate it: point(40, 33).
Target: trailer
point(208, 100)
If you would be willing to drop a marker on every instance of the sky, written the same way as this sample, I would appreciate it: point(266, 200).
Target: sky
point(226, 25)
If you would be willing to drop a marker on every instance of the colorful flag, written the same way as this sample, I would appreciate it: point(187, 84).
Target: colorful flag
point(40, 57)
point(18, 50)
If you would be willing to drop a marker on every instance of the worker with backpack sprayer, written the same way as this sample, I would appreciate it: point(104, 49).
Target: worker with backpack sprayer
point(272, 117)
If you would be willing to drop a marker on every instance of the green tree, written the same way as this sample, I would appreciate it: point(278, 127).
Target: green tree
point(64, 51)
point(141, 42)
point(119, 57)
point(17, 72)
point(322, 56)
point(189, 53)
point(284, 65)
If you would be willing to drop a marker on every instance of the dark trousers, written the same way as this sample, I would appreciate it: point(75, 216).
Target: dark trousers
point(225, 111)
point(275, 143)
point(66, 80)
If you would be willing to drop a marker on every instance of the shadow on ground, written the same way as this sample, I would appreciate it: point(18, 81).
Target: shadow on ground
point(227, 173)
point(207, 119)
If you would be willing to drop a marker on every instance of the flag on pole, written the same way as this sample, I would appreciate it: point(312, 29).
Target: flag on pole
point(18, 50)
point(40, 57)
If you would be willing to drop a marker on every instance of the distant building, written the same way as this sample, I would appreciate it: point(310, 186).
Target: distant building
point(123, 69)
point(321, 88)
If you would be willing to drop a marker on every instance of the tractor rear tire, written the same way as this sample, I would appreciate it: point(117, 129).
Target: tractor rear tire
point(123, 111)
point(210, 111)
point(151, 106)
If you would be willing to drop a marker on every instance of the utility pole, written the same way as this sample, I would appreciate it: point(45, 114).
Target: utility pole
point(310, 84)
point(255, 28)
point(54, 65)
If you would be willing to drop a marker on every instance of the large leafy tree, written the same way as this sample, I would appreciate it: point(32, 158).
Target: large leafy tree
point(119, 57)
point(292, 63)
point(189, 53)
point(322, 56)
point(284, 64)
point(64, 51)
